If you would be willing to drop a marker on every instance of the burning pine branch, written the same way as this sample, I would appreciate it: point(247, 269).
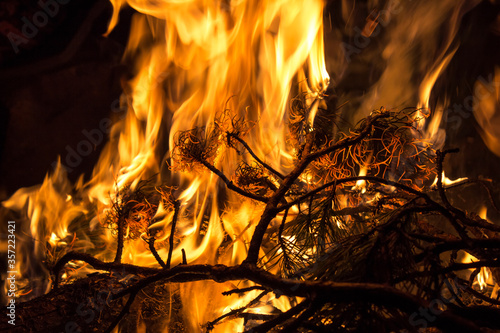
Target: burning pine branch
point(355, 237)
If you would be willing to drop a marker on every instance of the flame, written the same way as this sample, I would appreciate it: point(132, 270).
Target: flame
point(432, 131)
point(49, 207)
point(195, 60)
point(484, 277)
point(487, 111)
point(483, 213)
point(205, 57)
point(447, 181)
point(415, 56)
point(361, 184)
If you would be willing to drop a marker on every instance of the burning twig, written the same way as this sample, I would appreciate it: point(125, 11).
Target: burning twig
point(120, 228)
point(177, 206)
point(369, 234)
point(123, 312)
point(439, 162)
point(247, 147)
point(308, 157)
point(230, 185)
point(270, 324)
point(236, 312)
point(242, 290)
point(337, 292)
point(184, 258)
point(100, 265)
point(151, 244)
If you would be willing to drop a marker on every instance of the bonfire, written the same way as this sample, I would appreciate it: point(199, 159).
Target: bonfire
point(237, 195)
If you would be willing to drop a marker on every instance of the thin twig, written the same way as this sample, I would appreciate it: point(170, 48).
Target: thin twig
point(184, 258)
point(264, 164)
point(448, 269)
point(151, 243)
point(471, 265)
point(336, 292)
point(268, 325)
point(471, 243)
point(440, 155)
point(338, 182)
point(231, 185)
point(243, 290)
point(119, 246)
point(235, 312)
point(177, 206)
point(295, 324)
point(122, 313)
point(286, 258)
point(100, 265)
point(482, 296)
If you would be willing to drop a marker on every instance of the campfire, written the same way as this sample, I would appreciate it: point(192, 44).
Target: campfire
point(248, 188)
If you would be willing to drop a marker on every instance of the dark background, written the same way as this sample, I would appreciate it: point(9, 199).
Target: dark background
point(65, 80)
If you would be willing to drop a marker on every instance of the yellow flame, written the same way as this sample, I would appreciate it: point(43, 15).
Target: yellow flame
point(484, 277)
point(194, 60)
point(432, 131)
point(204, 57)
point(447, 181)
point(361, 184)
point(430, 80)
point(49, 208)
point(483, 213)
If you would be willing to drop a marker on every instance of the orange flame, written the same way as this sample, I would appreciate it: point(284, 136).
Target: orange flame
point(484, 277)
point(195, 60)
point(487, 111)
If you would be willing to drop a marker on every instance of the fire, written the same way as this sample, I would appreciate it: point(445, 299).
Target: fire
point(432, 131)
point(204, 69)
point(484, 277)
point(196, 61)
point(447, 181)
point(206, 58)
point(486, 111)
point(361, 184)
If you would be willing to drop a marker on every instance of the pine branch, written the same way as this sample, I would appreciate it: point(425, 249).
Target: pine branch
point(367, 247)
point(151, 243)
point(230, 185)
point(335, 292)
point(177, 206)
point(247, 147)
point(119, 246)
point(236, 312)
point(122, 314)
point(242, 290)
point(307, 157)
point(342, 181)
point(281, 318)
